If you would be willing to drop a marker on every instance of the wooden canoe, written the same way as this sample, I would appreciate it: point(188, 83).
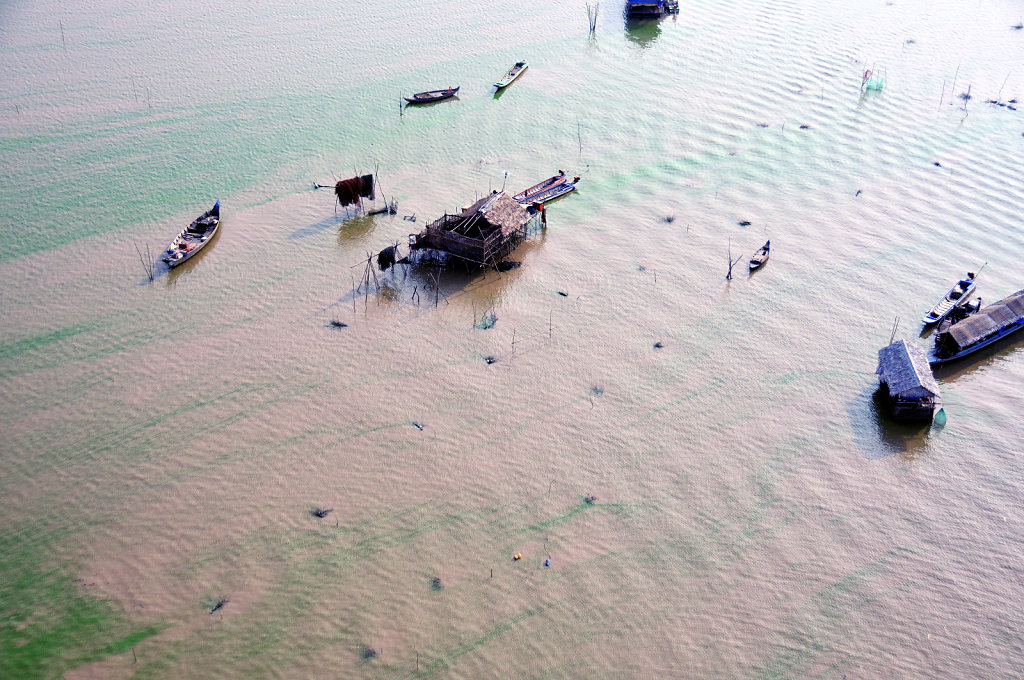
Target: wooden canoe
point(512, 74)
point(526, 195)
point(432, 96)
point(194, 237)
point(761, 256)
point(956, 296)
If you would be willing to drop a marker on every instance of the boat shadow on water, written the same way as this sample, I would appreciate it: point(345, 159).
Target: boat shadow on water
point(642, 32)
point(350, 224)
point(412, 106)
point(1003, 350)
point(877, 436)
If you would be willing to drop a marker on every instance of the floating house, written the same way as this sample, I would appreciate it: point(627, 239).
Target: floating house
point(646, 9)
point(979, 330)
point(479, 236)
point(907, 383)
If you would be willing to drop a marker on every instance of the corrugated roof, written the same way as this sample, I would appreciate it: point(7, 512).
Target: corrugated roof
point(904, 366)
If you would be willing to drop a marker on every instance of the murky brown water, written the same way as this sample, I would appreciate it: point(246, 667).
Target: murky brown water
point(754, 517)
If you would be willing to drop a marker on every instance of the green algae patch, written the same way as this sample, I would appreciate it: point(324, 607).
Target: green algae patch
point(48, 625)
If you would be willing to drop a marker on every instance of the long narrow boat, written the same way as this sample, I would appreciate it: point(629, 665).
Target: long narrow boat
point(991, 324)
point(512, 74)
point(957, 295)
point(526, 195)
point(194, 237)
point(551, 193)
point(432, 96)
point(761, 256)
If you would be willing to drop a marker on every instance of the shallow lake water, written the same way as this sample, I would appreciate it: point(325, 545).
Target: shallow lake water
point(750, 513)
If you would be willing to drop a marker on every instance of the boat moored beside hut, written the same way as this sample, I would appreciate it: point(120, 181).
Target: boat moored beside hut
point(646, 9)
point(981, 329)
point(479, 236)
point(906, 382)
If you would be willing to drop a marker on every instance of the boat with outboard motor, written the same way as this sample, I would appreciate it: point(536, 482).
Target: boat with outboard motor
point(956, 296)
point(194, 237)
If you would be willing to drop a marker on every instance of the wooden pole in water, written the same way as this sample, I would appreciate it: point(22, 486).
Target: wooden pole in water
point(999, 96)
point(953, 89)
point(728, 275)
point(353, 292)
point(146, 264)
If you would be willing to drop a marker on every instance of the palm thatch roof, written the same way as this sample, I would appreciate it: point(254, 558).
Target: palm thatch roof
point(903, 366)
point(501, 211)
point(979, 326)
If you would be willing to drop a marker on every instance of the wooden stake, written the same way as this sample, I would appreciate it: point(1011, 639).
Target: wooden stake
point(146, 264)
point(999, 96)
point(353, 292)
point(953, 89)
point(732, 263)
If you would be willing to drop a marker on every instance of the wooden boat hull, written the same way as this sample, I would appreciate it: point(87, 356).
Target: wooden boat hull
point(550, 194)
point(760, 257)
point(963, 290)
point(189, 242)
point(526, 196)
point(512, 74)
point(432, 96)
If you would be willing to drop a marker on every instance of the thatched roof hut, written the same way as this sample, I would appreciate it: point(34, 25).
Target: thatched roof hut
point(908, 382)
point(481, 234)
point(499, 211)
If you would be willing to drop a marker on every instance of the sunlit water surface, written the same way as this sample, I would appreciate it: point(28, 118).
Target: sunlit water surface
point(753, 515)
